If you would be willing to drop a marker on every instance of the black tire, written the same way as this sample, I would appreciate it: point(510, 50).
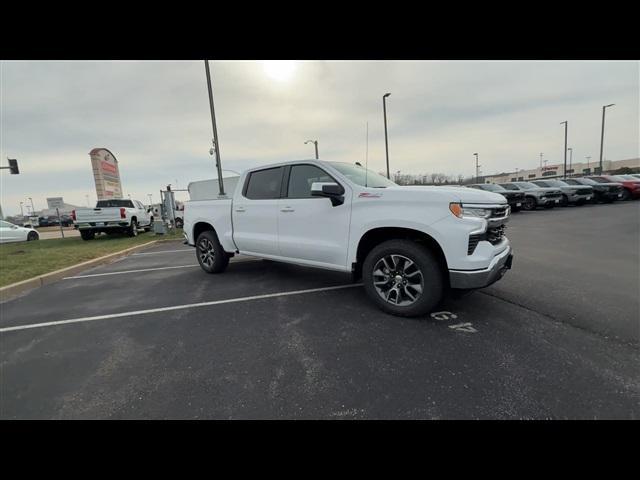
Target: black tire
point(564, 201)
point(549, 206)
point(32, 236)
point(132, 231)
point(516, 209)
point(432, 280)
point(210, 254)
point(530, 204)
point(626, 195)
point(87, 234)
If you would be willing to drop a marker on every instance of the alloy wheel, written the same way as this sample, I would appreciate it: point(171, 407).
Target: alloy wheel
point(398, 280)
point(206, 252)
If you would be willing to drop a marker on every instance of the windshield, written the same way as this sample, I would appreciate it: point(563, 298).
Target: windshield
point(586, 181)
point(362, 176)
point(114, 203)
point(491, 187)
point(600, 180)
point(527, 185)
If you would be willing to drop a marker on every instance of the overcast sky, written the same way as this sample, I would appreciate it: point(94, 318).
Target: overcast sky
point(154, 117)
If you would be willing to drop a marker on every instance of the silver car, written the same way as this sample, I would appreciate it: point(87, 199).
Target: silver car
point(535, 196)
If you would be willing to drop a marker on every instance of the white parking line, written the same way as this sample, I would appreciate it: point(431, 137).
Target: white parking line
point(176, 307)
point(129, 271)
point(164, 251)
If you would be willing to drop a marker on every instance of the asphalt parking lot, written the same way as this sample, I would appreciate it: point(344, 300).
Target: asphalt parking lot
point(556, 338)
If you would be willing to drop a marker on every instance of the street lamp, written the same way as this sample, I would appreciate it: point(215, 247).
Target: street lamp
point(541, 159)
point(33, 209)
point(216, 144)
point(386, 139)
point(588, 158)
point(315, 143)
point(566, 127)
point(602, 134)
point(477, 171)
point(21, 210)
point(570, 158)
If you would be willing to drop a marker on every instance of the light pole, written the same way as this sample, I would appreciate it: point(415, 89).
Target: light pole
point(315, 143)
point(541, 160)
point(570, 159)
point(477, 167)
point(604, 107)
point(588, 168)
point(216, 145)
point(566, 127)
point(386, 139)
point(33, 209)
point(21, 210)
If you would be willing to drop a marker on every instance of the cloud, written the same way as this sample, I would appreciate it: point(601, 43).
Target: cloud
point(154, 116)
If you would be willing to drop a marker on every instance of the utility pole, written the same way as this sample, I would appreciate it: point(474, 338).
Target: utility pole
point(541, 160)
point(588, 158)
point(602, 135)
point(216, 145)
point(386, 139)
point(477, 167)
point(566, 127)
point(570, 159)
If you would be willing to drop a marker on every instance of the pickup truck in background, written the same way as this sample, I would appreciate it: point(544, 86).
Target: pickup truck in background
point(571, 194)
point(112, 216)
point(535, 196)
point(408, 244)
point(514, 199)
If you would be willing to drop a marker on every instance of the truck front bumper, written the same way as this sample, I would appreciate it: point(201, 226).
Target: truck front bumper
point(472, 279)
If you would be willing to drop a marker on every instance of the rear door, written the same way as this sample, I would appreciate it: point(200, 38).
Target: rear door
point(311, 228)
point(255, 212)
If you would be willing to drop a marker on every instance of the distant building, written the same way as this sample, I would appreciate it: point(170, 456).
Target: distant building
point(106, 174)
point(557, 170)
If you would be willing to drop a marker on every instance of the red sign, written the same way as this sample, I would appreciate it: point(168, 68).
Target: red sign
point(108, 167)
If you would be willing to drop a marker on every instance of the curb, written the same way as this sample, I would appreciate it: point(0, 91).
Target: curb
point(11, 291)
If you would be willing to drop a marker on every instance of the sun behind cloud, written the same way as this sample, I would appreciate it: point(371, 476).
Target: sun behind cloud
point(279, 70)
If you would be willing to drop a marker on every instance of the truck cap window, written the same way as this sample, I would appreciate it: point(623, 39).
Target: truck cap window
point(264, 184)
point(114, 203)
point(301, 178)
point(361, 176)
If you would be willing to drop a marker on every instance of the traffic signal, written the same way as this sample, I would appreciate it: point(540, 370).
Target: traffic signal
point(13, 166)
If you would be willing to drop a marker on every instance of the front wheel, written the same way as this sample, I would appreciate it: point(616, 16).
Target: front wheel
point(32, 236)
point(211, 256)
point(529, 204)
point(403, 278)
point(564, 201)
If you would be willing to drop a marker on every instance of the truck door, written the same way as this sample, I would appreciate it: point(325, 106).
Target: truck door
point(311, 228)
point(255, 212)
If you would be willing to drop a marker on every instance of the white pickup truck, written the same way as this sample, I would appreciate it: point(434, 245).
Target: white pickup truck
point(112, 216)
point(409, 244)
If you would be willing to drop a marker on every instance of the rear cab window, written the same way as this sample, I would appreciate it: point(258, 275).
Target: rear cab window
point(264, 184)
point(114, 203)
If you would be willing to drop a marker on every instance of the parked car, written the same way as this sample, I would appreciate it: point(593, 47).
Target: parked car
point(631, 187)
point(535, 196)
point(515, 199)
point(636, 175)
point(13, 233)
point(571, 194)
point(602, 192)
point(110, 216)
point(409, 244)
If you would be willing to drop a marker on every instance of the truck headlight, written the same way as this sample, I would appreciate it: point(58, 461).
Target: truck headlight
point(461, 211)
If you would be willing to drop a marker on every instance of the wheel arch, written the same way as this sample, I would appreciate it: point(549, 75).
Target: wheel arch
point(376, 236)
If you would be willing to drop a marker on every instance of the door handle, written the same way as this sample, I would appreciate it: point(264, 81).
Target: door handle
point(240, 209)
point(287, 209)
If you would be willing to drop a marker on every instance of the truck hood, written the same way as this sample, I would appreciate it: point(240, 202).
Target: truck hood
point(454, 194)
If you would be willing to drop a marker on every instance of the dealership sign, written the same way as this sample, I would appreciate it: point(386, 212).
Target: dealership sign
point(106, 174)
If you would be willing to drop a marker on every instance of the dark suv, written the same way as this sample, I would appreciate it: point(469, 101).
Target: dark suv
point(605, 192)
point(515, 199)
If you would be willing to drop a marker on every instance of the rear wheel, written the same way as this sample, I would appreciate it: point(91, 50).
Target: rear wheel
point(32, 236)
point(403, 278)
point(87, 234)
point(626, 195)
point(564, 201)
point(133, 229)
point(211, 256)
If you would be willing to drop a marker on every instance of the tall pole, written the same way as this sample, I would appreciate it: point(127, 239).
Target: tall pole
point(477, 171)
point(588, 167)
point(570, 159)
point(602, 135)
point(216, 145)
point(21, 211)
point(541, 160)
point(33, 209)
point(315, 143)
point(566, 127)
point(386, 139)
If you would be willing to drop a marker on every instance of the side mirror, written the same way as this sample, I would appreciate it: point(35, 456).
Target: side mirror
point(333, 191)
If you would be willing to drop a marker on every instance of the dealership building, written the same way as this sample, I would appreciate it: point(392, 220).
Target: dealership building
point(557, 170)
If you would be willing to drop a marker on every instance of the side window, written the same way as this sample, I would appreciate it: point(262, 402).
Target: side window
point(301, 178)
point(264, 184)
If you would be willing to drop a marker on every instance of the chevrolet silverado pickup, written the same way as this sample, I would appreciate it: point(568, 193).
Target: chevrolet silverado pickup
point(515, 199)
point(111, 216)
point(571, 194)
point(408, 244)
point(535, 196)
